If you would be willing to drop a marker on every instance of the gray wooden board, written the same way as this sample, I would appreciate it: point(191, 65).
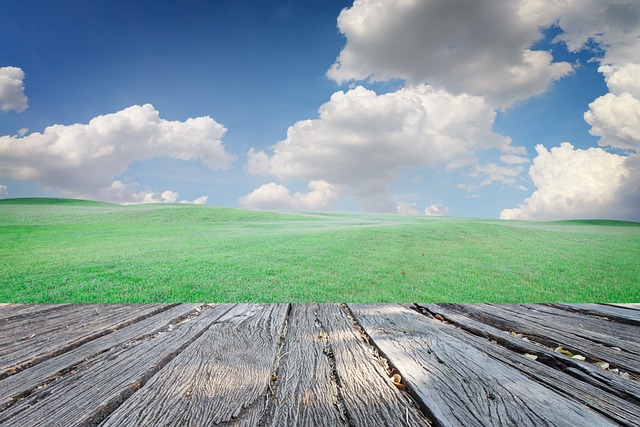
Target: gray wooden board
point(619, 314)
point(553, 333)
point(29, 340)
point(14, 311)
point(223, 376)
point(606, 332)
point(15, 386)
point(304, 392)
point(570, 377)
point(368, 394)
point(460, 385)
point(329, 376)
point(84, 395)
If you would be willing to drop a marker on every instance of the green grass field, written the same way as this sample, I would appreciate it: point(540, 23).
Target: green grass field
point(56, 251)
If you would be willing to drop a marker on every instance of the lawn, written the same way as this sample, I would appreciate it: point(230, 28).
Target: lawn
point(57, 251)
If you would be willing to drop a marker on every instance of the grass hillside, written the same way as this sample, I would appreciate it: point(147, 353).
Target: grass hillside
point(62, 250)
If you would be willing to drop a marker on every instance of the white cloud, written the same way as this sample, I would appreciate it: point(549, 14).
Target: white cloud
point(321, 196)
point(437, 209)
point(169, 196)
point(22, 131)
point(615, 117)
point(405, 208)
point(613, 24)
point(202, 200)
point(513, 159)
point(476, 47)
point(81, 159)
point(575, 183)
point(119, 192)
point(621, 79)
point(361, 139)
point(4, 191)
point(12, 95)
point(493, 172)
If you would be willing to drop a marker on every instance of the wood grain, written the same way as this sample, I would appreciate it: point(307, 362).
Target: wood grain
point(558, 332)
point(610, 395)
point(26, 341)
point(23, 382)
point(221, 377)
point(460, 385)
point(83, 396)
point(630, 315)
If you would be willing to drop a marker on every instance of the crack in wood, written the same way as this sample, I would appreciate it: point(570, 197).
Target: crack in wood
point(124, 395)
point(335, 377)
point(411, 397)
point(269, 399)
point(113, 402)
point(575, 370)
point(18, 367)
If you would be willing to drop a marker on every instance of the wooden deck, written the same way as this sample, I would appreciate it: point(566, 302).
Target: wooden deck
point(310, 365)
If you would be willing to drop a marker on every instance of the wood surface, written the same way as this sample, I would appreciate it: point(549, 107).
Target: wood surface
point(602, 391)
point(461, 385)
point(319, 365)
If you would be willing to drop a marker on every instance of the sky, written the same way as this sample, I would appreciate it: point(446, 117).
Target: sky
point(511, 109)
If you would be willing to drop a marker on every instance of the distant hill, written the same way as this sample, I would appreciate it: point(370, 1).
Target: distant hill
point(600, 222)
point(52, 201)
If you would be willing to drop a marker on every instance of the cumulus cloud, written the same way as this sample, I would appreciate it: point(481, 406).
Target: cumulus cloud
point(437, 209)
point(12, 95)
point(614, 25)
point(362, 139)
point(119, 192)
point(575, 183)
point(493, 172)
point(321, 196)
point(476, 47)
point(82, 159)
point(615, 117)
point(4, 191)
point(405, 208)
point(513, 159)
point(202, 200)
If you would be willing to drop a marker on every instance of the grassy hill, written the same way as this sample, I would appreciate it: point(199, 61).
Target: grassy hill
point(64, 250)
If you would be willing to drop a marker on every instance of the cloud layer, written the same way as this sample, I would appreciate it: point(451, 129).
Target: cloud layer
point(612, 25)
point(615, 117)
point(475, 47)
point(594, 183)
point(574, 183)
point(119, 192)
point(362, 139)
point(83, 159)
point(321, 196)
point(12, 95)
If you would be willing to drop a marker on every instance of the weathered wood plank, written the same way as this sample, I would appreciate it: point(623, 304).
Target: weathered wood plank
point(20, 384)
point(328, 376)
point(93, 389)
point(32, 339)
point(630, 306)
point(554, 333)
point(555, 370)
point(14, 311)
point(304, 392)
point(368, 394)
point(222, 377)
point(460, 385)
point(618, 314)
point(606, 332)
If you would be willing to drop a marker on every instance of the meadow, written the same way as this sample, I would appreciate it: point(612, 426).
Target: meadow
point(61, 251)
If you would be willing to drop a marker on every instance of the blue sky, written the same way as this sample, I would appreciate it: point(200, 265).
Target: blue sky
point(434, 107)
